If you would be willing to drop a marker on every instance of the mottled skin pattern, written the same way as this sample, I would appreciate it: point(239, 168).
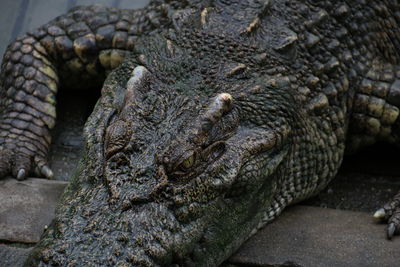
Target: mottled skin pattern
point(222, 114)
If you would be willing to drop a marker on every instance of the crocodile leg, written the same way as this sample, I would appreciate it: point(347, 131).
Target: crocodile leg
point(86, 42)
point(376, 117)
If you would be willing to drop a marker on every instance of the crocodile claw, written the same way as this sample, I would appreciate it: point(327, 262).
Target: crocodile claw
point(21, 175)
point(390, 212)
point(380, 214)
point(47, 172)
point(16, 162)
point(391, 229)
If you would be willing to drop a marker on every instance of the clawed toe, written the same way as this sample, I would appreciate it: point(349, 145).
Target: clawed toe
point(390, 213)
point(47, 172)
point(21, 166)
point(380, 214)
point(393, 224)
point(391, 229)
point(21, 175)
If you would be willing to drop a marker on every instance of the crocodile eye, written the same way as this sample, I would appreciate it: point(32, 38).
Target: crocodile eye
point(185, 166)
point(188, 163)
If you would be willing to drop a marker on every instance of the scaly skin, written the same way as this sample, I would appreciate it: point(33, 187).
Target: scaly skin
point(212, 125)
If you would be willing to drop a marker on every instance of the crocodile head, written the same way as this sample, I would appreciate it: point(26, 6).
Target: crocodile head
point(184, 151)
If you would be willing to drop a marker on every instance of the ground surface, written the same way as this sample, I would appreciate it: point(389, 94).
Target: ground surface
point(303, 235)
point(310, 236)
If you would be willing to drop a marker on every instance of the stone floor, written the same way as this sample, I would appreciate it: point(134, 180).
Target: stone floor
point(333, 229)
point(310, 236)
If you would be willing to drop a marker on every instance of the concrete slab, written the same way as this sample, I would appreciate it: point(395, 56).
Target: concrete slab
point(27, 207)
point(13, 256)
point(310, 236)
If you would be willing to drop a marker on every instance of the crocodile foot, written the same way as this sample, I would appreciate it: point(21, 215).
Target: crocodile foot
point(390, 212)
point(23, 153)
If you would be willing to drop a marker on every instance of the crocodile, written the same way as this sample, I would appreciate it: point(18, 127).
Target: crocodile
point(214, 116)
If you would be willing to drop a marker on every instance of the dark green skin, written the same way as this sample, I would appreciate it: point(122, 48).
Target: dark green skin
point(221, 115)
